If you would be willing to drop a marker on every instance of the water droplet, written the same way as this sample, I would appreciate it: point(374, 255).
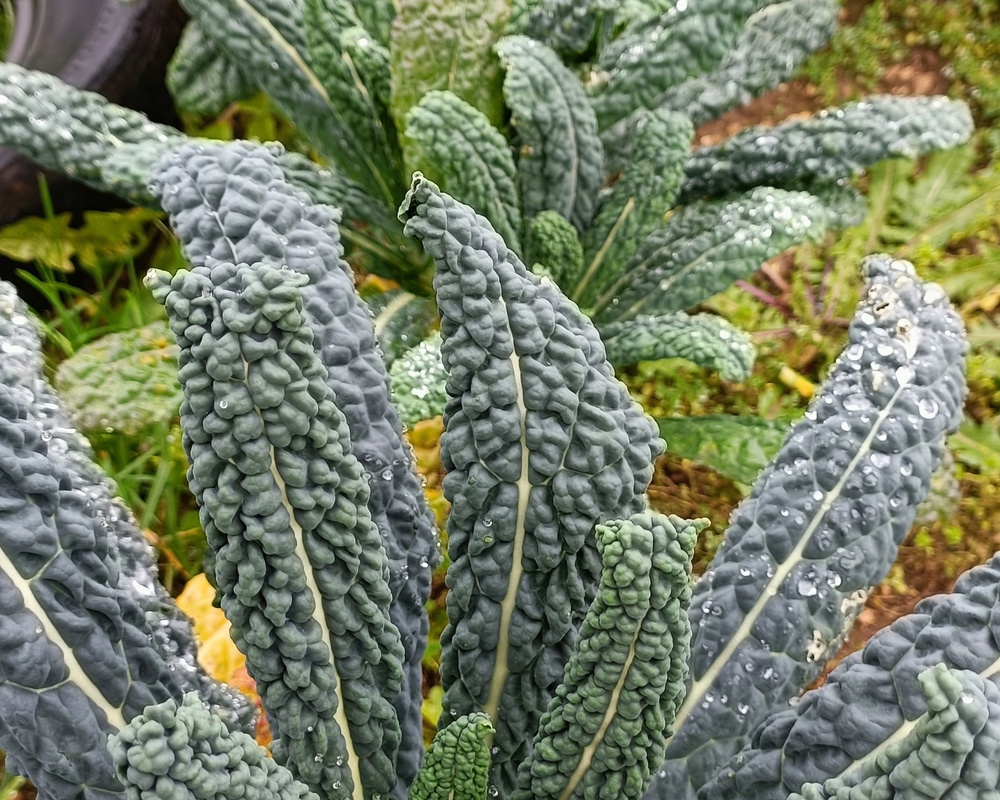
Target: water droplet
point(855, 351)
point(854, 403)
point(927, 408)
point(884, 349)
point(223, 404)
point(906, 469)
point(745, 572)
point(488, 522)
point(904, 375)
point(965, 698)
point(817, 495)
point(742, 709)
point(806, 587)
point(387, 474)
point(880, 460)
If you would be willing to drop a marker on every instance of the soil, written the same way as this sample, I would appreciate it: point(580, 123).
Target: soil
point(924, 569)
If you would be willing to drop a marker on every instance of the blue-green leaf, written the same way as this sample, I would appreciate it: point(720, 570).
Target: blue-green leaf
point(561, 161)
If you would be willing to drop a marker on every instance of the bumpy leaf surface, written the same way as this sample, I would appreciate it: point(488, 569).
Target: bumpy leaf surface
point(418, 379)
point(834, 144)
point(951, 751)
point(776, 39)
point(170, 631)
point(126, 381)
point(567, 26)
point(447, 45)
point(77, 655)
point(561, 163)
point(823, 522)
point(659, 52)
point(454, 144)
point(602, 735)
point(269, 38)
point(541, 443)
point(65, 129)
point(457, 766)
point(554, 247)
point(284, 503)
point(355, 78)
point(202, 78)
point(706, 246)
point(704, 339)
point(638, 202)
point(873, 698)
point(185, 752)
point(233, 203)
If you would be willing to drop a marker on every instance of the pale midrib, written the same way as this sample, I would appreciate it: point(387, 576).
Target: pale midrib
point(387, 313)
point(314, 82)
point(905, 730)
point(77, 674)
point(605, 247)
point(340, 715)
point(275, 36)
point(500, 668)
point(703, 684)
point(588, 752)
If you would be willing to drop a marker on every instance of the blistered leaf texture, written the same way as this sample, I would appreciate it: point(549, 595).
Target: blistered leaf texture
point(447, 45)
point(233, 202)
point(69, 130)
point(704, 339)
point(553, 247)
point(124, 381)
point(950, 751)
point(418, 379)
point(455, 145)
point(269, 38)
point(457, 766)
point(823, 522)
point(353, 68)
point(298, 560)
point(202, 78)
point(874, 697)
point(567, 26)
point(706, 246)
point(775, 40)
point(638, 201)
point(561, 162)
point(657, 53)
point(184, 752)
point(77, 659)
point(541, 443)
point(602, 734)
point(834, 144)
point(169, 631)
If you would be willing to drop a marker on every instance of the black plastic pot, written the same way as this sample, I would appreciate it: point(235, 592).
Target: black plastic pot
point(104, 46)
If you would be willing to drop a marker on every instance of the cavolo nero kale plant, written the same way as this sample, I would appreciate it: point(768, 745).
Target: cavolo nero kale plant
point(579, 661)
point(568, 125)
